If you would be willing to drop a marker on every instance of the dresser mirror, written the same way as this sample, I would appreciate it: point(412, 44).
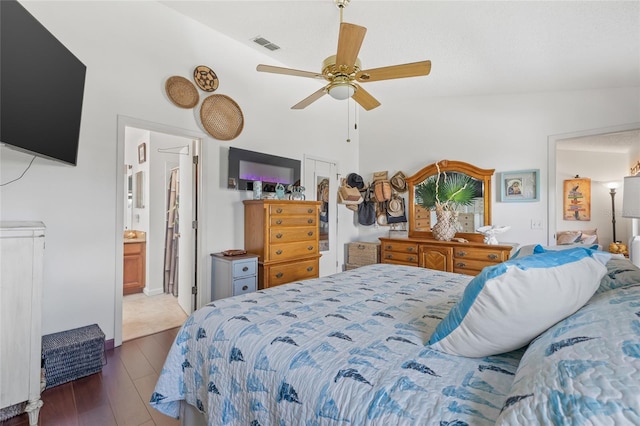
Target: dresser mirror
point(471, 217)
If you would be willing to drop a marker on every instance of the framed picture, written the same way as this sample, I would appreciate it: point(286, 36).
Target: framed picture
point(577, 199)
point(142, 153)
point(520, 186)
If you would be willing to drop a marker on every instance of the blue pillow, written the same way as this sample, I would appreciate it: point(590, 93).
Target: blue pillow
point(620, 273)
point(509, 304)
point(584, 369)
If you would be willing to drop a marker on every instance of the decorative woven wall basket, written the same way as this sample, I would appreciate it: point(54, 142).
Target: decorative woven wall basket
point(221, 117)
point(182, 92)
point(205, 78)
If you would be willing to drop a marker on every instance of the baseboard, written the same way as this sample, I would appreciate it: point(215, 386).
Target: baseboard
point(153, 292)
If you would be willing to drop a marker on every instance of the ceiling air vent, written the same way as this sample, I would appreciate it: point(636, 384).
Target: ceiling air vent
point(265, 43)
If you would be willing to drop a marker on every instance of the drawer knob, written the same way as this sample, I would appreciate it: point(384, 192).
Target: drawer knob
point(310, 221)
point(310, 268)
point(310, 233)
point(278, 251)
point(279, 275)
point(310, 248)
point(409, 248)
point(245, 269)
point(389, 256)
point(389, 247)
point(493, 256)
point(310, 211)
point(411, 259)
point(278, 210)
point(245, 287)
point(278, 235)
point(462, 253)
point(279, 222)
point(461, 264)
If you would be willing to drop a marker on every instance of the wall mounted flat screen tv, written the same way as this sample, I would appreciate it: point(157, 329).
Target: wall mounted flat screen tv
point(42, 87)
point(246, 167)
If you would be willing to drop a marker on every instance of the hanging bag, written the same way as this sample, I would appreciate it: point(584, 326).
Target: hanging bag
point(367, 210)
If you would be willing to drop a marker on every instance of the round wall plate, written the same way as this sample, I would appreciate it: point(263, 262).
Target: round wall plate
point(221, 117)
point(182, 92)
point(205, 78)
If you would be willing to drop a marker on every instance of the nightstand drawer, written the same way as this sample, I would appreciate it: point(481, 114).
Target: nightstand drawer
point(244, 285)
point(244, 268)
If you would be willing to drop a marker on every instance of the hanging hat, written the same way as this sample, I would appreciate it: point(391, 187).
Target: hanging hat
point(398, 182)
point(354, 180)
point(395, 207)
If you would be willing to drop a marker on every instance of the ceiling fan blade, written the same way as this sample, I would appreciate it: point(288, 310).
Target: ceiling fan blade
point(288, 71)
point(310, 99)
point(349, 42)
point(413, 69)
point(365, 100)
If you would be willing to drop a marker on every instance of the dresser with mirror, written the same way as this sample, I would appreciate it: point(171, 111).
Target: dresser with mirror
point(466, 253)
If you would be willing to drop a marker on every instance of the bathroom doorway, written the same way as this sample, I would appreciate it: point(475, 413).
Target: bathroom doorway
point(169, 227)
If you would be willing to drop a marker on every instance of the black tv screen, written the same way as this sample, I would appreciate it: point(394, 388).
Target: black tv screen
point(245, 167)
point(41, 88)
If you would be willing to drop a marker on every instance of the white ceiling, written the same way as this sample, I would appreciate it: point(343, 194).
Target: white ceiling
point(618, 142)
point(476, 47)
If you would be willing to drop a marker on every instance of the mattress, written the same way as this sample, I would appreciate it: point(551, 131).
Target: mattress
point(343, 349)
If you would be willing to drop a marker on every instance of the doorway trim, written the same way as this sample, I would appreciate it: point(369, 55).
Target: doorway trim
point(552, 142)
point(122, 123)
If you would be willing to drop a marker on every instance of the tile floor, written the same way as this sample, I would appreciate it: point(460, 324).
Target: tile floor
point(143, 315)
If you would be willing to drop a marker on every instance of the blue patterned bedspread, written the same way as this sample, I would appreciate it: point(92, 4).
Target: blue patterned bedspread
point(343, 349)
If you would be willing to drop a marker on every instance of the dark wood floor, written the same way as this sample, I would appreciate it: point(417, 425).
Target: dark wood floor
point(119, 395)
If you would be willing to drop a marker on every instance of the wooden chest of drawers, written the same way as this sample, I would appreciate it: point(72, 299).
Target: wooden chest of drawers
point(285, 236)
point(449, 256)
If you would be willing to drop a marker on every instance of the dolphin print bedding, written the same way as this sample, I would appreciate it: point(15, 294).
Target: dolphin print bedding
point(343, 349)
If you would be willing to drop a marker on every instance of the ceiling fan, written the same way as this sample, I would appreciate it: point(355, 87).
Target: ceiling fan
point(343, 70)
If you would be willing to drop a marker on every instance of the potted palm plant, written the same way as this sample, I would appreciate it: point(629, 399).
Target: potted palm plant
point(445, 193)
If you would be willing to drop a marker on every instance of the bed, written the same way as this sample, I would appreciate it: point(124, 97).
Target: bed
point(353, 348)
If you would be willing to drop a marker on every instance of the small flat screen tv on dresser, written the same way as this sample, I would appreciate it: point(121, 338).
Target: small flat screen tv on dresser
point(42, 88)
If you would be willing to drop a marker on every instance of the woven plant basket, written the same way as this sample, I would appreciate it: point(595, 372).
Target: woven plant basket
point(446, 226)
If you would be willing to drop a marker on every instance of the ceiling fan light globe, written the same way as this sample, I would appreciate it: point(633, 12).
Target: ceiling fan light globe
point(341, 91)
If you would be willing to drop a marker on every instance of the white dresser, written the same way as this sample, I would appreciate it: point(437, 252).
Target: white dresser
point(21, 259)
point(233, 275)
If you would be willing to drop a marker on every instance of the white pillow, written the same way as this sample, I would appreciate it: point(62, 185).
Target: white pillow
point(509, 304)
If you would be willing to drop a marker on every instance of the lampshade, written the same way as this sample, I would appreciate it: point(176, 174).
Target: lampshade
point(341, 90)
point(631, 197)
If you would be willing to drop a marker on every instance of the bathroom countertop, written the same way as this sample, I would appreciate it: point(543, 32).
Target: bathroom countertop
point(140, 237)
point(135, 240)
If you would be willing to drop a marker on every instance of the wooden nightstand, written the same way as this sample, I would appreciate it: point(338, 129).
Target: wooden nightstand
point(233, 275)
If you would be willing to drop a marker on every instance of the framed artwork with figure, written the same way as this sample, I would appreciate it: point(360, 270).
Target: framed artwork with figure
point(577, 199)
point(520, 186)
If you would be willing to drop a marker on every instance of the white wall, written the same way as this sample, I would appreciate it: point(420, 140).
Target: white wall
point(130, 49)
point(502, 132)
